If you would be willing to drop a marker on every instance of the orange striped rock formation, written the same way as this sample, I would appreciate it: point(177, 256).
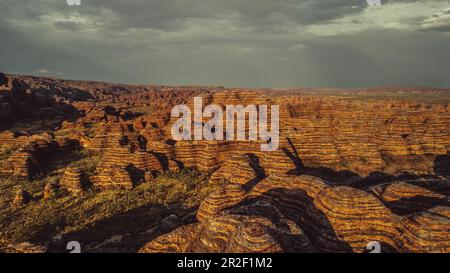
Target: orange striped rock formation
point(305, 214)
point(347, 171)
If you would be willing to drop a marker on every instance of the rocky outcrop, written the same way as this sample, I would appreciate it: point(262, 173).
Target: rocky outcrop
point(21, 198)
point(290, 213)
point(22, 163)
point(428, 231)
point(50, 191)
point(229, 196)
point(232, 220)
point(29, 160)
point(113, 178)
point(355, 217)
point(239, 169)
point(336, 182)
point(233, 234)
point(72, 181)
point(14, 139)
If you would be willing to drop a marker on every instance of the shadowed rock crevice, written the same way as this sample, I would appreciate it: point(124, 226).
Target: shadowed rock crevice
point(407, 206)
point(258, 170)
point(282, 206)
point(124, 232)
point(442, 165)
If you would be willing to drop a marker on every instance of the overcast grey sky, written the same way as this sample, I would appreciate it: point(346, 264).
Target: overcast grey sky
point(246, 43)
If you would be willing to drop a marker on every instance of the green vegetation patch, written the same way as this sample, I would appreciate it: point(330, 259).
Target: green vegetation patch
point(95, 217)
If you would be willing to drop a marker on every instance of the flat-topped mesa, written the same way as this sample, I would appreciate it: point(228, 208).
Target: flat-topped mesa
point(72, 181)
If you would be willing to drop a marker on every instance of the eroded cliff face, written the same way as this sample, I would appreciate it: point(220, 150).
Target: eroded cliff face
point(347, 171)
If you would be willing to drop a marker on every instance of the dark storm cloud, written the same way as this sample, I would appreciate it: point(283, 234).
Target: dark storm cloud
point(29, 54)
point(170, 14)
point(382, 58)
point(255, 43)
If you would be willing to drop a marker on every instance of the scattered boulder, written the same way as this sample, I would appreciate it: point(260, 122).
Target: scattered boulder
point(21, 198)
point(50, 190)
point(72, 181)
point(148, 177)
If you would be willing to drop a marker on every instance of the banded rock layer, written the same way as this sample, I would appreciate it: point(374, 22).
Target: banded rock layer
point(290, 213)
point(353, 136)
point(72, 181)
point(333, 185)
